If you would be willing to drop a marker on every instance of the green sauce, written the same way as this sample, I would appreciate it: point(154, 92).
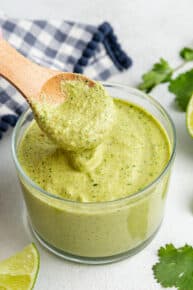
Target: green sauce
point(130, 157)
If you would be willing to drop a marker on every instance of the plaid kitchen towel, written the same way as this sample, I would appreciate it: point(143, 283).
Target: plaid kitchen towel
point(63, 45)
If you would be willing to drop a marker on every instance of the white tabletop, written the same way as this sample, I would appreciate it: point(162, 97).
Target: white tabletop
point(148, 29)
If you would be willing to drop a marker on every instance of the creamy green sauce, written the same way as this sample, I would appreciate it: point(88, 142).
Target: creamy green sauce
point(128, 158)
point(82, 121)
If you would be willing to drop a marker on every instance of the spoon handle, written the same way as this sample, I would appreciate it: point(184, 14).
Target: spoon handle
point(23, 74)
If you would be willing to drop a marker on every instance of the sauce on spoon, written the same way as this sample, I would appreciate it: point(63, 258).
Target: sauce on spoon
point(82, 120)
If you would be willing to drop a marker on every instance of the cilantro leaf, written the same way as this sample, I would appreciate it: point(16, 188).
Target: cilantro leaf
point(182, 87)
point(160, 73)
point(187, 53)
point(175, 267)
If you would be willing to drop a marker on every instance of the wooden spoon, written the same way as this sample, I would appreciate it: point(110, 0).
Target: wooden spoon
point(31, 79)
point(41, 87)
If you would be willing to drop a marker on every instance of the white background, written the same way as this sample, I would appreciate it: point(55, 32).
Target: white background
point(148, 30)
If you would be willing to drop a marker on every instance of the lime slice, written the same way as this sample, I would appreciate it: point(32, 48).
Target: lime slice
point(19, 272)
point(189, 116)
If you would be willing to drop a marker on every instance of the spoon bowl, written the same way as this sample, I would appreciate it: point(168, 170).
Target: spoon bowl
point(51, 89)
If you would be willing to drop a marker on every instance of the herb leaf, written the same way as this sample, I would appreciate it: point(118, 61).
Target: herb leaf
point(187, 53)
point(182, 87)
point(175, 267)
point(160, 73)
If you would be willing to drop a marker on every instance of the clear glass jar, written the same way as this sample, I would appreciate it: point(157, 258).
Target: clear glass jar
point(103, 232)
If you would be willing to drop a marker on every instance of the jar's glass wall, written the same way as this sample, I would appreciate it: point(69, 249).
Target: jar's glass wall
point(98, 232)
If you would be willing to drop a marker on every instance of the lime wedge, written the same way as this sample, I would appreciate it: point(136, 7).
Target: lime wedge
point(19, 272)
point(189, 116)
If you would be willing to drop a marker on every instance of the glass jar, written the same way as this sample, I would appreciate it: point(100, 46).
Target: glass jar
point(103, 232)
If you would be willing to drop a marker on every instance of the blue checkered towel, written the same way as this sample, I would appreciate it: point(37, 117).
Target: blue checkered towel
point(63, 45)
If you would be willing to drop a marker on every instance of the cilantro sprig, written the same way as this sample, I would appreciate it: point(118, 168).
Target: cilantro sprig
point(187, 53)
point(162, 72)
point(182, 87)
point(175, 267)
